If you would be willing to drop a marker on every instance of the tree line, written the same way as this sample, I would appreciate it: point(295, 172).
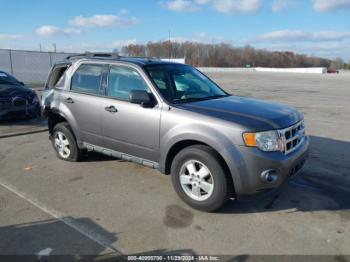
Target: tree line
point(226, 55)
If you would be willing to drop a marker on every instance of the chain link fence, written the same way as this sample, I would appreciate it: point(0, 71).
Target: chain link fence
point(30, 67)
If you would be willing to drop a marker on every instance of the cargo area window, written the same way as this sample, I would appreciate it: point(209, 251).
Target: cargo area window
point(57, 77)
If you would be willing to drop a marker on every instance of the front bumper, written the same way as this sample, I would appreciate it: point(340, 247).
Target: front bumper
point(20, 111)
point(247, 169)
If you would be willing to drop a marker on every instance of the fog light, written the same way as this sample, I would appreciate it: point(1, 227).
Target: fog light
point(269, 176)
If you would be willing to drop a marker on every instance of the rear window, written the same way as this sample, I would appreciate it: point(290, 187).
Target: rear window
point(88, 79)
point(6, 79)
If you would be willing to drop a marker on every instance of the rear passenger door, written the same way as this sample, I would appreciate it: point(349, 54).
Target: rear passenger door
point(130, 128)
point(84, 102)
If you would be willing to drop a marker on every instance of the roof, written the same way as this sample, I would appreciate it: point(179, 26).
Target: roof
point(141, 61)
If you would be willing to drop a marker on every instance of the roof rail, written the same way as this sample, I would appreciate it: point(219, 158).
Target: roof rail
point(94, 55)
point(144, 57)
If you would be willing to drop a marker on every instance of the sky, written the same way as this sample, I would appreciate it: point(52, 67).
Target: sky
point(312, 27)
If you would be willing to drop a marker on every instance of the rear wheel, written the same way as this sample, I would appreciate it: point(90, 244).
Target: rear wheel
point(64, 143)
point(200, 179)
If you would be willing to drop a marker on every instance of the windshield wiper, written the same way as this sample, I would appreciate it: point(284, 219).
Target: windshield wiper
point(196, 99)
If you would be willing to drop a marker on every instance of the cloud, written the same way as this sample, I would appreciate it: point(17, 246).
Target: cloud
point(281, 5)
point(97, 47)
point(123, 11)
point(301, 36)
point(49, 30)
point(7, 37)
point(222, 6)
point(200, 37)
point(103, 21)
point(328, 44)
point(121, 43)
point(183, 5)
point(202, 2)
point(331, 50)
point(237, 6)
point(330, 5)
point(71, 31)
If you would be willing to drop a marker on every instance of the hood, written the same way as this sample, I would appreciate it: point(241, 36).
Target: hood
point(10, 91)
point(256, 115)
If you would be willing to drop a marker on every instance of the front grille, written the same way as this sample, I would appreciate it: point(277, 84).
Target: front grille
point(293, 137)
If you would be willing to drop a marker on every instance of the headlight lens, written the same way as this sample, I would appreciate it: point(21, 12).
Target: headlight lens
point(266, 141)
point(35, 100)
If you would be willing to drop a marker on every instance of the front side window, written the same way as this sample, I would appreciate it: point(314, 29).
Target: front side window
point(182, 83)
point(88, 79)
point(122, 80)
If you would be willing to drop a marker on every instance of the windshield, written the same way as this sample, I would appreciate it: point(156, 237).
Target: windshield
point(182, 83)
point(7, 80)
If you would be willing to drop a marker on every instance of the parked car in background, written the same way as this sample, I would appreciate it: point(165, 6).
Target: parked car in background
point(16, 99)
point(332, 71)
point(171, 117)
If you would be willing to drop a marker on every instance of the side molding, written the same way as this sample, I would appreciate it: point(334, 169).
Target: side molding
point(120, 155)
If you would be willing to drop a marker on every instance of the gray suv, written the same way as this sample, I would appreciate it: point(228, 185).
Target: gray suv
point(173, 118)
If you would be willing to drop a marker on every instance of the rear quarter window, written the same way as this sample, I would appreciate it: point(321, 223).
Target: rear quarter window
point(57, 77)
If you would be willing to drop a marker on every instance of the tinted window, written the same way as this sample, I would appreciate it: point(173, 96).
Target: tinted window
point(122, 80)
point(88, 79)
point(6, 79)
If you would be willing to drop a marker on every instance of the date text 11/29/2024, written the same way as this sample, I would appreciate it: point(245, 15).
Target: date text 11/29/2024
point(174, 258)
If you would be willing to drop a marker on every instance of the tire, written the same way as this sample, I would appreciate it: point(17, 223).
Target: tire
point(62, 137)
point(217, 184)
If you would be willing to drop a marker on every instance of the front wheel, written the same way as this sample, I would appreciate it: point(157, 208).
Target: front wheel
point(200, 179)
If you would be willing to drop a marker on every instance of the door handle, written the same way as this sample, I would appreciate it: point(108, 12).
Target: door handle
point(69, 100)
point(111, 109)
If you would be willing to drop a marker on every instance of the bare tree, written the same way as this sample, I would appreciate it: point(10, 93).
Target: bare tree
point(338, 63)
point(226, 55)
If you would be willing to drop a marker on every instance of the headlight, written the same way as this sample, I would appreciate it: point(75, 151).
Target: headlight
point(35, 100)
point(266, 141)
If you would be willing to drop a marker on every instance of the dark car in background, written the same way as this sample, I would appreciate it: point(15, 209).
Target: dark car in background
point(16, 99)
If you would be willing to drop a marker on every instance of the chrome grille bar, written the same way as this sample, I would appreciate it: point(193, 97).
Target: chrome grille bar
point(293, 136)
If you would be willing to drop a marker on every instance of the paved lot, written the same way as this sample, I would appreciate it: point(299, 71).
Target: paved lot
point(15, 128)
point(104, 206)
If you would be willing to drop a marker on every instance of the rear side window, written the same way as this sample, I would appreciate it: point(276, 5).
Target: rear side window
point(88, 79)
point(122, 80)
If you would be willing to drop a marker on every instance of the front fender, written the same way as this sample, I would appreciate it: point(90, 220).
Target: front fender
point(206, 135)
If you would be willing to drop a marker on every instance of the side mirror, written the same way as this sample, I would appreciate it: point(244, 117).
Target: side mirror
point(141, 97)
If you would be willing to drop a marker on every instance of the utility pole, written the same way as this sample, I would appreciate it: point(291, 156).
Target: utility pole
point(54, 48)
point(169, 46)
